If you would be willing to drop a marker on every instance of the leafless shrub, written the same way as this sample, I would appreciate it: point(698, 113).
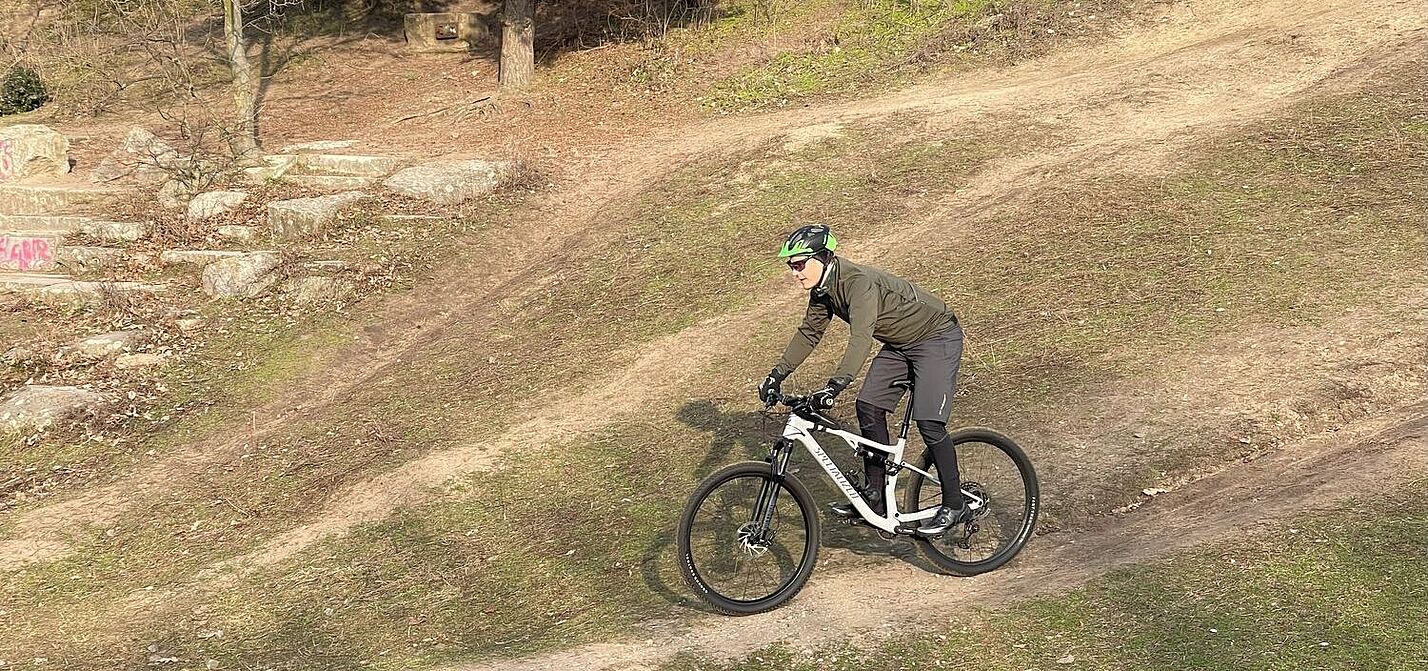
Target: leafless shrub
point(521, 174)
point(587, 24)
point(115, 304)
point(1011, 30)
point(771, 11)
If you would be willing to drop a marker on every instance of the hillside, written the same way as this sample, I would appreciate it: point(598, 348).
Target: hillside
point(1179, 241)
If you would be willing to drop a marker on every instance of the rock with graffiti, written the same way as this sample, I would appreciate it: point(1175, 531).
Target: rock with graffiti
point(32, 150)
point(25, 253)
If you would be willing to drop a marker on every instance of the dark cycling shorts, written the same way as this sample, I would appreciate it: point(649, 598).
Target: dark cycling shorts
point(932, 365)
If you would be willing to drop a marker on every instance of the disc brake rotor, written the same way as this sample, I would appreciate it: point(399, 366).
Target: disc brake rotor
point(976, 489)
point(753, 543)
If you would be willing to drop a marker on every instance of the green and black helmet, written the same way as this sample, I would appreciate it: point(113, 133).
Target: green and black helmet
point(809, 240)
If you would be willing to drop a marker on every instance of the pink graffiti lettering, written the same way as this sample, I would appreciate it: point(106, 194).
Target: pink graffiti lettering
point(7, 158)
point(25, 253)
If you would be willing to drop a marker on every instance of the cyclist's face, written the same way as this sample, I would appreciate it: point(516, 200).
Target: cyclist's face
point(807, 270)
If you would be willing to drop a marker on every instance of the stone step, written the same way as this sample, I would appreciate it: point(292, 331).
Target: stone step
point(330, 182)
point(271, 167)
point(196, 257)
point(317, 146)
point(46, 250)
point(66, 288)
point(42, 222)
point(29, 250)
point(81, 257)
point(347, 164)
point(409, 219)
point(49, 198)
point(109, 231)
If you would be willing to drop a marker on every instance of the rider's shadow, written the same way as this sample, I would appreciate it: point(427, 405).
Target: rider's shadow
point(741, 435)
point(733, 436)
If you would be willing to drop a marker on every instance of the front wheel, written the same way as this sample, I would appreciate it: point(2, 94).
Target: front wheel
point(748, 539)
point(996, 471)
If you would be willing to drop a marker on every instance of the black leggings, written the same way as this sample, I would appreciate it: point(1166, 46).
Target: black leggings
point(873, 424)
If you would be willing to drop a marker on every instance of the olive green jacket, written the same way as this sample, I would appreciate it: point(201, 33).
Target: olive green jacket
point(876, 305)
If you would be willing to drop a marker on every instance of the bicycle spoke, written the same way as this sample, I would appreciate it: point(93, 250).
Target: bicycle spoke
point(732, 554)
point(989, 473)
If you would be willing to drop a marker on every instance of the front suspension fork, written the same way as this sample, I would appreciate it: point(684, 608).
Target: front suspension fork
point(768, 492)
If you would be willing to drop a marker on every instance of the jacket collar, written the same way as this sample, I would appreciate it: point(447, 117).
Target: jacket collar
point(830, 273)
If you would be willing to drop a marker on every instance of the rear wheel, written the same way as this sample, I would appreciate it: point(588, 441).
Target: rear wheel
point(748, 540)
point(995, 470)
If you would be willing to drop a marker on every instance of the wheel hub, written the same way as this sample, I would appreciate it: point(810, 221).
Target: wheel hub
point(976, 489)
point(753, 542)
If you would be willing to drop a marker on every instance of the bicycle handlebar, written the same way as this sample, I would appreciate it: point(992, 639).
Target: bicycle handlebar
point(802, 405)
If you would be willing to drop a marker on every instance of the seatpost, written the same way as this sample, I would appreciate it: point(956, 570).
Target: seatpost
point(906, 416)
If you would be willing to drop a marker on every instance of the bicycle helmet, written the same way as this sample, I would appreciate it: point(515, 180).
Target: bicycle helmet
point(810, 240)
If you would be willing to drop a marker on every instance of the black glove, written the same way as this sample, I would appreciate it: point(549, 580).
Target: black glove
point(768, 391)
point(823, 398)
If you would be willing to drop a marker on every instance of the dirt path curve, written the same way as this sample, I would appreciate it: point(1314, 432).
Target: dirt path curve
point(1377, 455)
point(1212, 63)
point(1113, 127)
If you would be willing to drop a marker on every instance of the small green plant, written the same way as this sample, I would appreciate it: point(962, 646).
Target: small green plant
point(22, 91)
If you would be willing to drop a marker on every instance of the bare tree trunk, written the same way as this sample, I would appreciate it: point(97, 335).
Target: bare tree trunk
point(245, 81)
point(518, 44)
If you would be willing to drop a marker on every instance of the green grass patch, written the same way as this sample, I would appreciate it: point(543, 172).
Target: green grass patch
point(1343, 590)
point(883, 42)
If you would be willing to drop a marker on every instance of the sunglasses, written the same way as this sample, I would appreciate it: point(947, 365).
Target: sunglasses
point(797, 266)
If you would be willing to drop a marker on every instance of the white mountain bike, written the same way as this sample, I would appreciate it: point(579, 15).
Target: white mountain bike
point(748, 538)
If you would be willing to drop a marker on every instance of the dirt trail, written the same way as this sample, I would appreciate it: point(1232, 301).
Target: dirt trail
point(1116, 128)
point(1377, 455)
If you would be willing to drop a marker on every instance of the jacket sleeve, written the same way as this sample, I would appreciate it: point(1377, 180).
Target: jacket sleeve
point(862, 317)
point(815, 324)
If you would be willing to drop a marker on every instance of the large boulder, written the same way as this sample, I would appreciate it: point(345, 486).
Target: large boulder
point(448, 182)
point(270, 167)
point(36, 407)
point(102, 345)
point(211, 204)
point(142, 158)
point(309, 217)
point(245, 276)
point(32, 150)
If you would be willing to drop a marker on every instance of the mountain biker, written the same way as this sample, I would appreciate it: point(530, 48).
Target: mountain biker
point(920, 337)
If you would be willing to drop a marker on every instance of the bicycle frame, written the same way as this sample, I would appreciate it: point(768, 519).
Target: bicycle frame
point(800, 429)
